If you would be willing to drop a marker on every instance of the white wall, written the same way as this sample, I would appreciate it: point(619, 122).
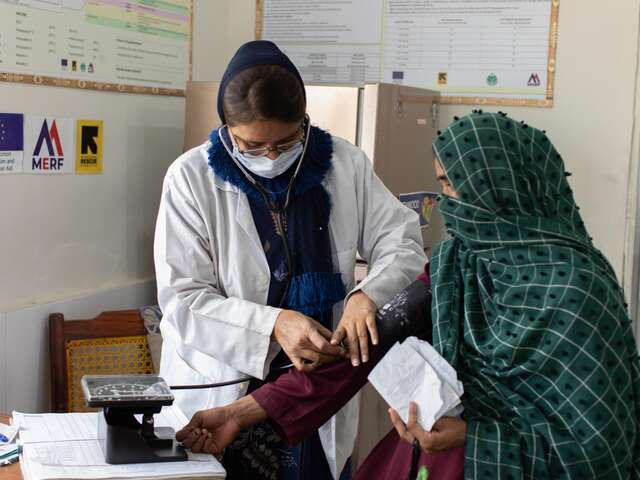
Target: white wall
point(24, 342)
point(591, 123)
point(65, 235)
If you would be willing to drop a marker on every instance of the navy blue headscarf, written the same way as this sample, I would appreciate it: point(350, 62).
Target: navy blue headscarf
point(252, 54)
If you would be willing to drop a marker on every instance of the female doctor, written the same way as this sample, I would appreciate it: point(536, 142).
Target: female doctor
point(255, 251)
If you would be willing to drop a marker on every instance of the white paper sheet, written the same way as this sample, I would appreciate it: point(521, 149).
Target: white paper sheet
point(84, 459)
point(9, 432)
point(8, 450)
point(53, 427)
point(413, 371)
point(334, 43)
point(65, 446)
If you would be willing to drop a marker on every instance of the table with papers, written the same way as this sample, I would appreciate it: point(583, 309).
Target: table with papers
point(65, 446)
point(10, 472)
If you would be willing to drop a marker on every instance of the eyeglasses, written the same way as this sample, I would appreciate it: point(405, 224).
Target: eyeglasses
point(264, 151)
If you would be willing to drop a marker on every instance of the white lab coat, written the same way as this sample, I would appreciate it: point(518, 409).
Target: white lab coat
point(213, 277)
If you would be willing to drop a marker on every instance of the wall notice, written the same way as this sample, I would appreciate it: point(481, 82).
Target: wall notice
point(422, 203)
point(330, 42)
point(471, 51)
point(469, 48)
point(138, 46)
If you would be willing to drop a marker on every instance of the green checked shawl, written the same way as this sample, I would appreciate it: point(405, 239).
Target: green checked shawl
point(531, 314)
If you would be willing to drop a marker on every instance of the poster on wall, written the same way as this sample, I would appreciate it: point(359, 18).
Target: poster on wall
point(492, 52)
point(11, 142)
point(329, 42)
point(49, 144)
point(134, 46)
point(89, 141)
point(423, 203)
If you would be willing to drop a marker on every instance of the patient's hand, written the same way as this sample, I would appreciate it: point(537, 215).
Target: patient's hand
point(447, 433)
point(210, 431)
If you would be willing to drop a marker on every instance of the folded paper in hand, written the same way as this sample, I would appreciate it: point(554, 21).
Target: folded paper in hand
point(413, 371)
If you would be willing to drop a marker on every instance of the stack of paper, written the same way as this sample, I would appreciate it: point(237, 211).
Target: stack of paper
point(7, 433)
point(58, 446)
point(413, 371)
point(9, 453)
point(9, 450)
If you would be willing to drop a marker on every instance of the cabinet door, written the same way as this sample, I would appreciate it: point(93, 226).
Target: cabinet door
point(398, 127)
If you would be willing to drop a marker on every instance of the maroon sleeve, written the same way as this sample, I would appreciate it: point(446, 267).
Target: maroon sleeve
point(424, 276)
point(316, 396)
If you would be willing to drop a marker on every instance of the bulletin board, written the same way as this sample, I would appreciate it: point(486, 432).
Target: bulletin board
point(471, 51)
point(133, 46)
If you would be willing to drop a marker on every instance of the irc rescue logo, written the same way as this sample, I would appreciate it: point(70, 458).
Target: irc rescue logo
point(49, 142)
point(89, 146)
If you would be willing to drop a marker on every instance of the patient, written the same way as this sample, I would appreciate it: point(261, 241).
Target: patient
point(525, 308)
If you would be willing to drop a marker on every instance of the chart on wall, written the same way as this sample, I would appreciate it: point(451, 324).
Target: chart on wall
point(472, 51)
point(134, 46)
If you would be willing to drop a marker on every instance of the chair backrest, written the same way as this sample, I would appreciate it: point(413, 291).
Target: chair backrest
point(113, 342)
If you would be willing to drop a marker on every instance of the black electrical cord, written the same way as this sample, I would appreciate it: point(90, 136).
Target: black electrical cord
point(210, 385)
point(227, 383)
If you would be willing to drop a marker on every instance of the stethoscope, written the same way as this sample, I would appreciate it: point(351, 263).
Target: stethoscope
point(279, 214)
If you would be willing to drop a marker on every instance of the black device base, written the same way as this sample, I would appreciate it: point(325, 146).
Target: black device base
point(124, 439)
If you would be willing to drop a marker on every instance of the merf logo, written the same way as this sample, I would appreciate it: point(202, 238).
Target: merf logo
point(49, 138)
point(534, 80)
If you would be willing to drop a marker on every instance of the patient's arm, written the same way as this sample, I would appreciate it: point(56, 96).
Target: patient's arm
point(298, 403)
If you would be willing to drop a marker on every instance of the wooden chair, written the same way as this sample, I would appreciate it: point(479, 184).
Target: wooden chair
point(113, 342)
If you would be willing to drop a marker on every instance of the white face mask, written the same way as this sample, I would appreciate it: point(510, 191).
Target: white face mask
point(264, 166)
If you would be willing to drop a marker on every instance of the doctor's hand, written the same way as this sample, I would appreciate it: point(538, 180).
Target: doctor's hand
point(357, 324)
point(305, 340)
point(210, 431)
point(447, 433)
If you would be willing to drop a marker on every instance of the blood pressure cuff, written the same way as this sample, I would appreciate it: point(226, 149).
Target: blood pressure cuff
point(407, 314)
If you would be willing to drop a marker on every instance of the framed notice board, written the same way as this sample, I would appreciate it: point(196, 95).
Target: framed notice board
point(471, 51)
point(134, 46)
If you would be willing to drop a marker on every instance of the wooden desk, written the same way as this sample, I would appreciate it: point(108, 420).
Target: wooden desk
point(12, 472)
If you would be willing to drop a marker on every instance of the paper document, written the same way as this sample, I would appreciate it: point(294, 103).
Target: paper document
point(413, 371)
point(9, 451)
point(54, 427)
point(7, 433)
point(84, 459)
point(65, 446)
